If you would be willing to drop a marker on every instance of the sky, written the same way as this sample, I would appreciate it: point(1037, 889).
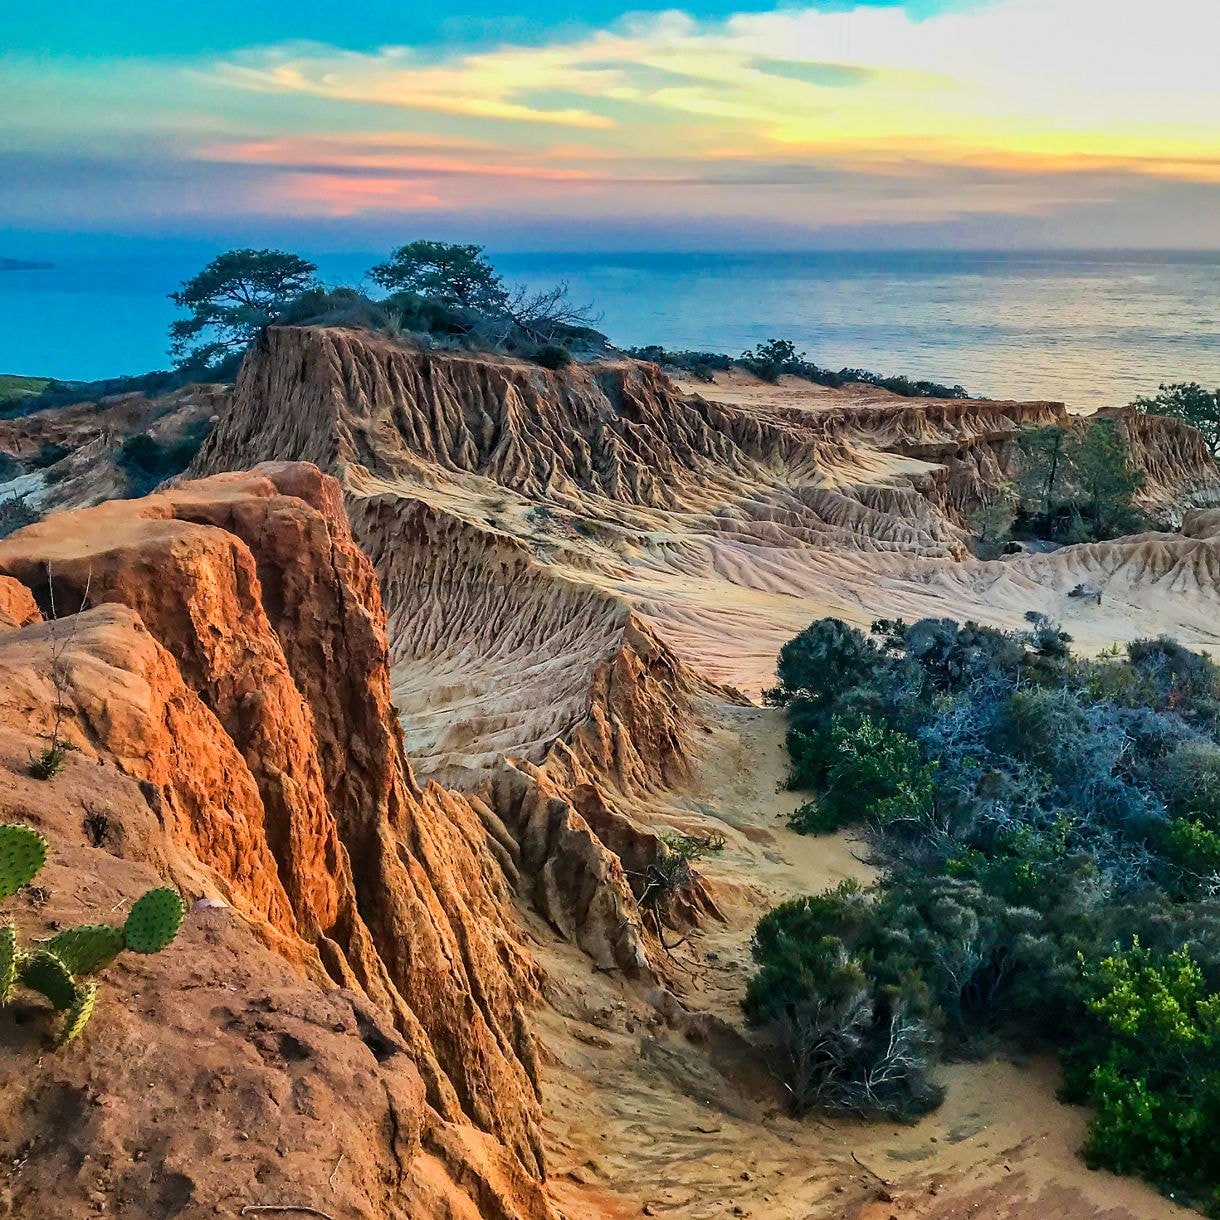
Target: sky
point(730, 124)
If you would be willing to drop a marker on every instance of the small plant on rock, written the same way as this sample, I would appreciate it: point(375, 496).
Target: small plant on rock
point(58, 970)
point(671, 871)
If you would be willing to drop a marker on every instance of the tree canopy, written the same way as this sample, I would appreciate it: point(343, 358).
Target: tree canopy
point(231, 300)
point(1105, 480)
point(1190, 402)
point(460, 275)
point(1077, 481)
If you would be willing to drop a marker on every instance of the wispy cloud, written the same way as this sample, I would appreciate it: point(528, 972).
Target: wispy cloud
point(1043, 111)
point(1046, 78)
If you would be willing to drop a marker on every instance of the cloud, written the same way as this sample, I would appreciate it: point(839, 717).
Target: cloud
point(1024, 115)
point(1049, 78)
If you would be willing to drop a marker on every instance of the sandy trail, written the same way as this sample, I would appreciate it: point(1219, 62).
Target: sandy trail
point(642, 1117)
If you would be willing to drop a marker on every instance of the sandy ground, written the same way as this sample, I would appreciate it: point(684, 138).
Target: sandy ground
point(645, 1121)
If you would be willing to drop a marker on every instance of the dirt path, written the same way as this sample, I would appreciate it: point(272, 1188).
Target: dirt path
point(644, 1120)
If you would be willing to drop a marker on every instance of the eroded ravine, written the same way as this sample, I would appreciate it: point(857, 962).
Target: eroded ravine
point(582, 570)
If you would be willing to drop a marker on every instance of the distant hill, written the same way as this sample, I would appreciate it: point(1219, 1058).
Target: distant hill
point(17, 264)
point(13, 388)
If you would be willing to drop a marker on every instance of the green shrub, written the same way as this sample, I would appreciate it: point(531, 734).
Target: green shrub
point(672, 869)
point(812, 818)
point(48, 763)
point(50, 454)
point(1153, 1070)
point(1029, 810)
point(702, 365)
point(16, 513)
point(147, 461)
point(817, 665)
point(877, 773)
point(1190, 779)
point(1193, 847)
point(1190, 402)
point(768, 360)
point(849, 1037)
point(553, 356)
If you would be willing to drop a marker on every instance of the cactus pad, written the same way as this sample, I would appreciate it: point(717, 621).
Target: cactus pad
point(87, 948)
point(77, 1017)
point(23, 851)
point(8, 959)
point(45, 973)
point(154, 921)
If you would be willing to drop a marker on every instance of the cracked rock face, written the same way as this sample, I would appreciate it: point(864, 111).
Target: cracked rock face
point(229, 671)
point(574, 563)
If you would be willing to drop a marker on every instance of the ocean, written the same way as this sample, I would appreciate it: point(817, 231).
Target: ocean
point(1090, 328)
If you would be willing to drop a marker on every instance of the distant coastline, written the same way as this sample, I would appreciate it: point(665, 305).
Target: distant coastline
point(18, 264)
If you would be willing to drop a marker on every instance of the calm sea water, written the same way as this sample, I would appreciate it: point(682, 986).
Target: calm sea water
point(1090, 328)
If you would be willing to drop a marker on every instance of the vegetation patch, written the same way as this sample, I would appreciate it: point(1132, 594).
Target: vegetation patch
point(1047, 828)
point(435, 292)
point(57, 969)
point(776, 357)
point(1191, 403)
point(147, 460)
point(13, 389)
point(16, 513)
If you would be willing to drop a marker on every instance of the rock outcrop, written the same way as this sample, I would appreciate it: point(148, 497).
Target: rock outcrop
point(575, 562)
point(222, 646)
point(88, 452)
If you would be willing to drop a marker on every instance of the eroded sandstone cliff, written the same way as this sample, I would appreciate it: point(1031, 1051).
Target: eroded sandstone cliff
point(224, 672)
point(574, 563)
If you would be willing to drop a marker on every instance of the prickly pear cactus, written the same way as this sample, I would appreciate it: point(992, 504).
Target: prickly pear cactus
point(8, 959)
point(52, 969)
point(154, 921)
point(77, 1017)
point(23, 851)
point(87, 948)
point(43, 972)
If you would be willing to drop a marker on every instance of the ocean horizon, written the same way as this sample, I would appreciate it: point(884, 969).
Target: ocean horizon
point(1092, 328)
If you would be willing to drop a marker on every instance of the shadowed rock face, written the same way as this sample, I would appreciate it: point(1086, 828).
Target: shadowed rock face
point(232, 658)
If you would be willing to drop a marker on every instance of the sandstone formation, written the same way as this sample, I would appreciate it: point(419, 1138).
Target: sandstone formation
point(225, 665)
point(581, 572)
point(575, 563)
point(73, 456)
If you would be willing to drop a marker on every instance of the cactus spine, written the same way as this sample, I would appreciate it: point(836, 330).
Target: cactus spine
point(52, 970)
point(8, 960)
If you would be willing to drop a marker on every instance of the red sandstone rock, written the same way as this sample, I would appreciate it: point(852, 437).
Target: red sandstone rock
point(233, 659)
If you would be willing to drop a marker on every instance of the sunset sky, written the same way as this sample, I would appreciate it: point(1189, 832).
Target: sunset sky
point(943, 123)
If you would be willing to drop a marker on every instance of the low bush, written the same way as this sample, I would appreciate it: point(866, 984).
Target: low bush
point(855, 1031)
point(553, 356)
point(147, 461)
point(1032, 813)
point(50, 454)
point(701, 365)
point(1149, 1063)
point(16, 513)
point(776, 357)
